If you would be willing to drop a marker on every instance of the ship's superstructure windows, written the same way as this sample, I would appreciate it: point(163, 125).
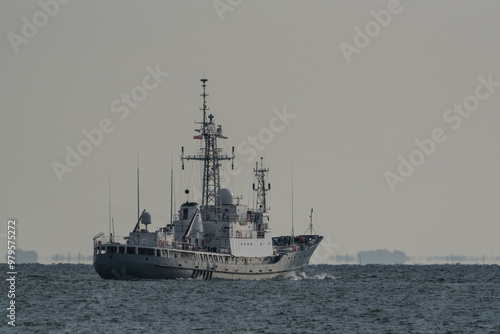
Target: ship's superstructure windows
point(158, 252)
point(130, 250)
point(111, 249)
point(121, 250)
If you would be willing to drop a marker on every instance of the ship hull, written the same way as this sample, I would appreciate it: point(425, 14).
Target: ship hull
point(183, 264)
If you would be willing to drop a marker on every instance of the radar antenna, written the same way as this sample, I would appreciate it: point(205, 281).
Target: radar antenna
point(261, 188)
point(211, 155)
point(311, 223)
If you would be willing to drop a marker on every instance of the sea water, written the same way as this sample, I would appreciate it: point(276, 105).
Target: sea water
point(66, 298)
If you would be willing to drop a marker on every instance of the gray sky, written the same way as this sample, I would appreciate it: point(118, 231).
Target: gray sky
point(359, 101)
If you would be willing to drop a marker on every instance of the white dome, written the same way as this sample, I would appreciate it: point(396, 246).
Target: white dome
point(226, 197)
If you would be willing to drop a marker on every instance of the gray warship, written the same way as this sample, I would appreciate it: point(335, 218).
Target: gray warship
point(219, 238)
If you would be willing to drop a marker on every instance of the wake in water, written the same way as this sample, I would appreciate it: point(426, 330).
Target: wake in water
point(298, 276)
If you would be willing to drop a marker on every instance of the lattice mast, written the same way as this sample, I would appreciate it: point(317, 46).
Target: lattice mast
point(211, 155)
point(261, 188)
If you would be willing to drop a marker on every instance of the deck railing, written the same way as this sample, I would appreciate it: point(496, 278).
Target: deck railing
point(103, 240)
point(106, 239)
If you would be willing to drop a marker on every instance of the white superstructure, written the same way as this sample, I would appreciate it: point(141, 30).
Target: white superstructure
point(215, 238)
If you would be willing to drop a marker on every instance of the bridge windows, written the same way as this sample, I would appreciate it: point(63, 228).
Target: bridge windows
point(111, 249)
point(99, 250)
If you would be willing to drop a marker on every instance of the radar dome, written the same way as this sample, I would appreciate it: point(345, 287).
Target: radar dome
point(226, 197)
point(146, 218)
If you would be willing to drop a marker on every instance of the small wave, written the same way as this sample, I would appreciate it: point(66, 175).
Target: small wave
point(294, 276)
point(323, 276)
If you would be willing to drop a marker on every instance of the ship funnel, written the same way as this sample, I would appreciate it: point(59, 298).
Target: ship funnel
point(197, 223)
point(194, 232)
